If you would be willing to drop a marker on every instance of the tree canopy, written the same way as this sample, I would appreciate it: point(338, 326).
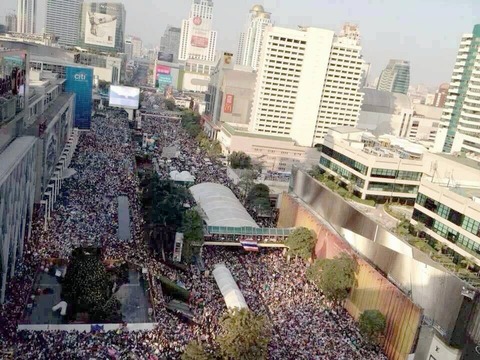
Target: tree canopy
point(334, 277)
point(87, 287)
point(192, 228)
point(191, 123)
point(240, 160)
point(244, 335)
point(372, 325)
point(211, 147)
point(170, 105)
point(195, 351)
point(301, 242)
point(258, 198)
point(247, 182)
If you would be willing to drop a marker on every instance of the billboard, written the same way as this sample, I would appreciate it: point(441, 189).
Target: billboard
point(79, 80)
point(124, 96)
point(162, 69)
point(163, 56)
point(100, 29)
point(163, 81)
point(228, 107)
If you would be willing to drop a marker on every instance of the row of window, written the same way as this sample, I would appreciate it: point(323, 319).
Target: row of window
point(355, 165)
point(396, 174)
point(445, 231)
point(342, 172)
point(390, 187)
point(455, 217)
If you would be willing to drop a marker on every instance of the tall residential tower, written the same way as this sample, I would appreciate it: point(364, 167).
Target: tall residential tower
point(460, 127)
point(308, 81)
point(395, 77)
point(250, 43)
point(170, 42)
point(197, 40)
point(26, 16)
point(63, 20)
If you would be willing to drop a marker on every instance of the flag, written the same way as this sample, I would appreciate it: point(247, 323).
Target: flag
point(249, 245)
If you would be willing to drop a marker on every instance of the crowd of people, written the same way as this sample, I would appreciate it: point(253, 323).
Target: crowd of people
point(86, 214)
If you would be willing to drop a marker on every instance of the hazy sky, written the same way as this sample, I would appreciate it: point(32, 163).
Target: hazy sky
point(425, 32)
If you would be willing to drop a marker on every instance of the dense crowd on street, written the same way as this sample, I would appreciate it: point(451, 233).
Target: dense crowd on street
point(86, 214)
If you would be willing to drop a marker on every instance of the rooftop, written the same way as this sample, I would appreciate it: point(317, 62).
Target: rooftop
point(221, 206)
point(234, 131)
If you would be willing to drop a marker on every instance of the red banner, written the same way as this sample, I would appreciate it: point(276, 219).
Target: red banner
point(228, 107)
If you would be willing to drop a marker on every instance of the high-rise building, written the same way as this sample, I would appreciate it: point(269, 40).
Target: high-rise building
point(63, 20)
point(11, 22)
point(308, 81)
point(102, 27)
point(197, 40)
point(170, 42)
point(441, 95)
point(395, 77)
point(351, 31)
point(250, 44)
point(26, 16)
point(137, 47)
point(460, 127)
point(365, 72)
point(128, 48)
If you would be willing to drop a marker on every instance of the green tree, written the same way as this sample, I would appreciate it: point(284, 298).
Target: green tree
point(170, 105)
point(372, 325)
point(192, 233)
point(317, 172)
point(240, 160)
point(334, 277)
point(244, 335)
point(247, 182)
point(195, 351)
point(301, 242)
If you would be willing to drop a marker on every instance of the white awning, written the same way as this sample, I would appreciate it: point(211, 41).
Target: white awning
point(228, 287)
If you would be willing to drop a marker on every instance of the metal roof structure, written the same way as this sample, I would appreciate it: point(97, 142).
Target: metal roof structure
point(228, 287)
point(220, 206)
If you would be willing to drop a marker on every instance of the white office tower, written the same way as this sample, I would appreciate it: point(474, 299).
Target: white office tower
point(63, 20)
point(198, 41)
point(26, 14)
point(308, 81)
point(460, 124)
point(250, 44)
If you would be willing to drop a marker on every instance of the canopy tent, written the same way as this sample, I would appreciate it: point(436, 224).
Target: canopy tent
point(228, 287)
point(183, 176)
point(221, 206)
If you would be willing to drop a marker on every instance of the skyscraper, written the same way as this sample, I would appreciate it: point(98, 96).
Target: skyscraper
point(460, 124)
point(315, 87)
point(26, 16)
point(170, 41)
point(395, 77)
point(102, 27)
point(197, 40)
point(11, 22)
point(63, 20)
point(250, 43)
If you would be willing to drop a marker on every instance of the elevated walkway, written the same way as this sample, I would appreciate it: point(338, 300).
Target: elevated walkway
point(231, 236)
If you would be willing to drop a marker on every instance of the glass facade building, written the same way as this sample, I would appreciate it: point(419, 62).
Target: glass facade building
point(395, 77)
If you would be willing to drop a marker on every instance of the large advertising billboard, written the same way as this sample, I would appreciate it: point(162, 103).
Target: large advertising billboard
point(100, 29)
point(200, 36)
point(162, 69)
point(163, 56)
point(228, 107)
point(125, 97)
point(79, 80)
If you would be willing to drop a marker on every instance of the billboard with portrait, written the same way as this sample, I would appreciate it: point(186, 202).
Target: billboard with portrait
point(125, 97)
point(163, 56)
point(228, 107)
point(79, 80)
point(100, 29)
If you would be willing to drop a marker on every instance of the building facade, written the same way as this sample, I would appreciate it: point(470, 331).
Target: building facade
point(197, 39)
point(308, 81)
point(137, 47)
point(105, 67)
point(170, 42)
point(63, 20)
point(395, 77)
point(11, 22)
point(460, 127)
point(441, 96)
point(26, 16)
point(448, 204)
point(250, 43)
point(383, 169)
point(102, 27)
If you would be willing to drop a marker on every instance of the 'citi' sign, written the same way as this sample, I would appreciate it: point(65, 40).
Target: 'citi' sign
point(11, 83)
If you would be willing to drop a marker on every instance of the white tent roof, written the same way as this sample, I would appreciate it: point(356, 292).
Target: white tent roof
point(221, 206)
point(228, 287)
point(181, 176)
